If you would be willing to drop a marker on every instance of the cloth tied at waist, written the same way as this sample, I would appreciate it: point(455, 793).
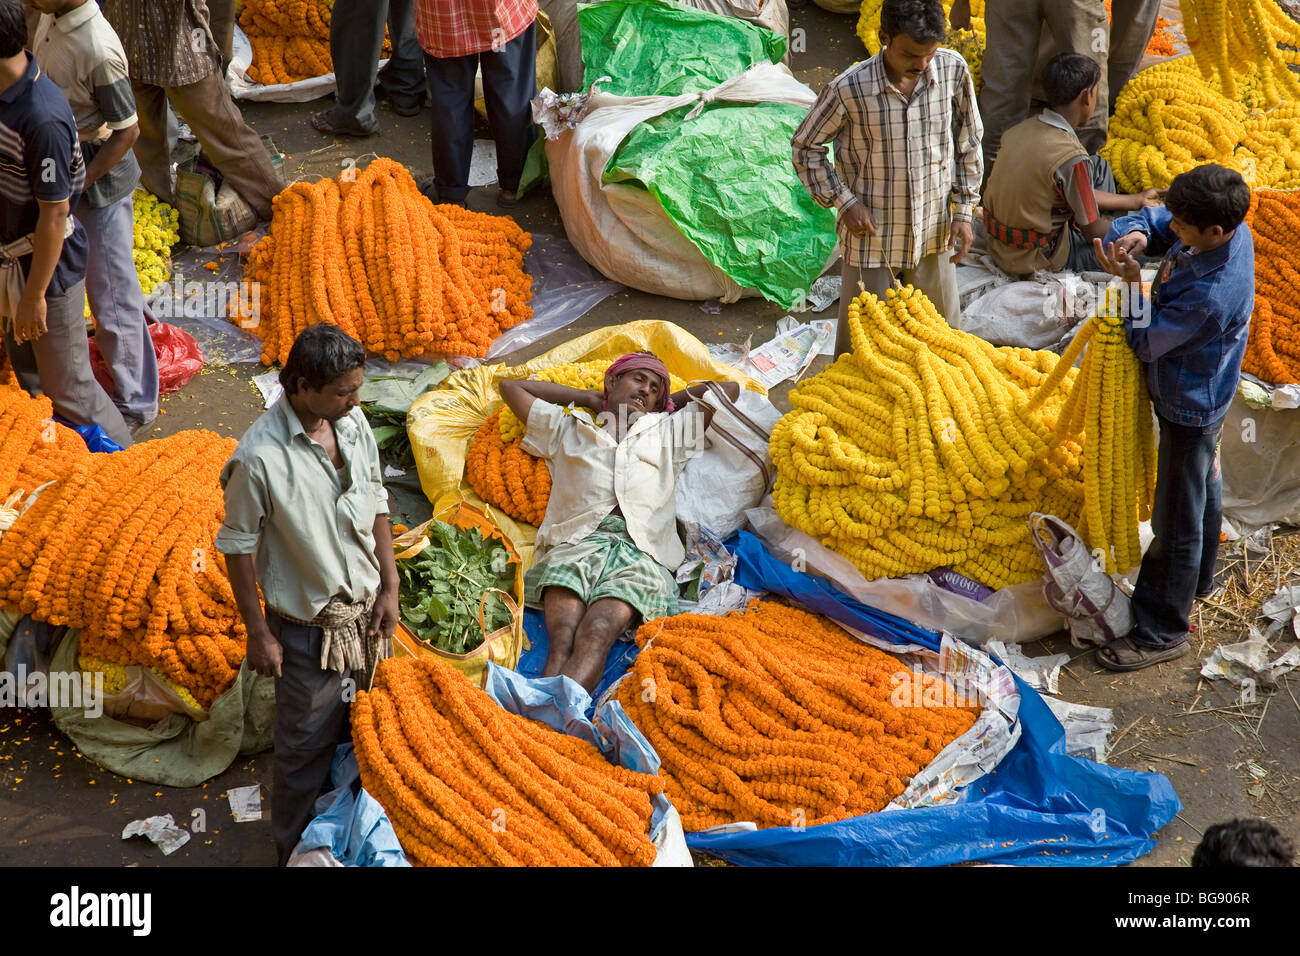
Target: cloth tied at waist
point(1020, 238)
point(12, 278)
point(344, 644)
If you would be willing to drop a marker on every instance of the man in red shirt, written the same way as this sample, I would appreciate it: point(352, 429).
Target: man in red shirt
point(459, 37)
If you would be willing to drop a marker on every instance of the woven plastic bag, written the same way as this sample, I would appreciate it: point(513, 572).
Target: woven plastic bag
point(1077, 585)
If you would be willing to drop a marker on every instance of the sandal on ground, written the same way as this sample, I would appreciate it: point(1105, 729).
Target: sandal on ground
point(1125, 654)
point(324, 122)
point(507, 199)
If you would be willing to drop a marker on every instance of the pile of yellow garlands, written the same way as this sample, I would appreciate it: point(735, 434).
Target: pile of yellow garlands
point(506, 476)
point(466, 782)
point(969, 43)
point(927, 447)
point(1234, 102)
point(1273, 351)
point(370, 254)
point(777, 717)
point(122, 548)
point(290, 39)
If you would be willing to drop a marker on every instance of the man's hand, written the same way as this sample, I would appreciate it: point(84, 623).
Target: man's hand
point(384, 615)
point(1117, 261)
point(859, 221)
point(29, 319)
point(265, 655)
point(960, 238)
point(1134, 243)
point(959, 16)
point(1149, 197)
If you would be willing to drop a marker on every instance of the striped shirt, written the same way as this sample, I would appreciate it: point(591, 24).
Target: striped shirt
point(80, 52)
point(40, 160)
point(915, 162)
point(451, 28)
point(167, 42)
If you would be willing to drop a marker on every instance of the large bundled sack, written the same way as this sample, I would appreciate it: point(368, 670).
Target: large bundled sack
point(442, 423)
point(647, 198)
point(770, 14)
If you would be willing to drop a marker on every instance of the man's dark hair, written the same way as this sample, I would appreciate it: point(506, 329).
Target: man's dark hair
point(923, 20)
point(320, 354)
point(1208, 196)
point(1066, 76)
point(13, 28)
point(1243, 843)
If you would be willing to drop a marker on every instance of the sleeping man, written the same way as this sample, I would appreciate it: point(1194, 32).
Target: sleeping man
point(608, 546)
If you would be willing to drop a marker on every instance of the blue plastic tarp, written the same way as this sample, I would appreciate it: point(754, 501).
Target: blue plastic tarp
point(1039, 807)
point(94, 436)
point(350, 823)
point(617, 663)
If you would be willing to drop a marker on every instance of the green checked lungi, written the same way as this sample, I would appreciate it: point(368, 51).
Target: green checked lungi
point(605, 564)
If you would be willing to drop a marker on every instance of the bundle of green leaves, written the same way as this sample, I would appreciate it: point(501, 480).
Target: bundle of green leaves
point(442, 586)
point(386, 399)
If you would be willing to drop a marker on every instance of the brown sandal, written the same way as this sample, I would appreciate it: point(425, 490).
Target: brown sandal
point(1124, 654)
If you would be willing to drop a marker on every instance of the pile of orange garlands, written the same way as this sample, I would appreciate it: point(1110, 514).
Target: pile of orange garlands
point(34, 449)
point(465, 782)
point(506, 476)
point(122, 548)
point(290, 39)
point(777, 717)
point(372, 255)
point(1273, 351)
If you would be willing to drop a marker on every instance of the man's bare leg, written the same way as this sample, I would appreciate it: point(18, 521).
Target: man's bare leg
point(604, 621)
point(564, 612)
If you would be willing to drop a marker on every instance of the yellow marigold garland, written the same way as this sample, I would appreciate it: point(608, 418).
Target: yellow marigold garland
point(969, 43)
point(778, 717)
point(465, 782)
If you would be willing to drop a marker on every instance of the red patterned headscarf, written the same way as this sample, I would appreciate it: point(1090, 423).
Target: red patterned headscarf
point(642, 360)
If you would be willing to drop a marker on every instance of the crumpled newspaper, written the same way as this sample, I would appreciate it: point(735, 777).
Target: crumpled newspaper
point(1248, 661)
point(556, 112)
point(1087, 729)
point(245, 803)
point(1040, 673)
point(1281, 609)
point(161, 831)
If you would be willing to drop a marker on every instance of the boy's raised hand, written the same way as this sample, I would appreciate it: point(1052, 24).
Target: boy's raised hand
point(859, 221)
point(1117, 261)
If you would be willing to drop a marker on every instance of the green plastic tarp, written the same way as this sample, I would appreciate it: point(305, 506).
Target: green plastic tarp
point(178, 752)
point(726, 180)
point(660, 48)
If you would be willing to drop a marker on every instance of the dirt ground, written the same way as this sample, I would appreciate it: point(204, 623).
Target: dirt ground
point(56, 807)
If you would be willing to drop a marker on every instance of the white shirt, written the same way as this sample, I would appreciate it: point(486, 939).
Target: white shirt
point(592, 473)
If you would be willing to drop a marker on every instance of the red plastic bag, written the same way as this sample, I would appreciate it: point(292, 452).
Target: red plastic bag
point(179, 359)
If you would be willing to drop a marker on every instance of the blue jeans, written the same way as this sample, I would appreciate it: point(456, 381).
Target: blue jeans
point(1185, 518)
point(121, 326)
point(509, 80)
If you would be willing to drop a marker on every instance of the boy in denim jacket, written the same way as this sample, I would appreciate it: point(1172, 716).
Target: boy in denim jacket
point(1190, 336)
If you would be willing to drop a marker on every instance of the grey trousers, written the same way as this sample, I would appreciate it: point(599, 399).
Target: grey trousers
point(311, 720)
point(1014, 27)
point(934, 275)
point(356, 39)
point(1133, 22)
point(58, 365)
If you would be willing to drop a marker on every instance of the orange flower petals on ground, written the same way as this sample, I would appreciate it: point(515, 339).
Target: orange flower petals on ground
point(121, 547)
point(370, 254)
point(778, 717)
point(465, 782)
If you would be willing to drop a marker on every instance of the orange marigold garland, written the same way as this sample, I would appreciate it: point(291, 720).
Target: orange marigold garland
point(290, 39)
point(34, 449)
point(373, 255)
point(504, 475)
point(1273, 350)
point(779, 717)
point(122, 548)
point(465, 782)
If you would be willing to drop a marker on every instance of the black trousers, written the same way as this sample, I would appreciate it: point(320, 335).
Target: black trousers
point(311, 720)
point(1186, 517)
point(509, 81)
point(356, 40)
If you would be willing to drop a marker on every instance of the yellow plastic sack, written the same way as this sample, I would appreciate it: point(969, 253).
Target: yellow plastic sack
point(441, 423)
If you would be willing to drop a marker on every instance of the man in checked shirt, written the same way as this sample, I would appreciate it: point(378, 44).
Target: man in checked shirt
point(908, 165)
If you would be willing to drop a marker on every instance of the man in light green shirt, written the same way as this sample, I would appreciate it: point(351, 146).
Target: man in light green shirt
point(307, 519)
